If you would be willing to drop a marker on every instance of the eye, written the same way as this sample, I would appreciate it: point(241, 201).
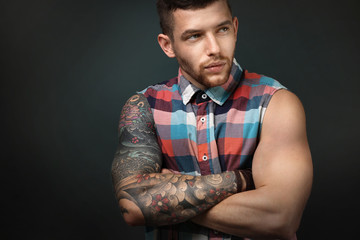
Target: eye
point(224, 29)
point(193, 37)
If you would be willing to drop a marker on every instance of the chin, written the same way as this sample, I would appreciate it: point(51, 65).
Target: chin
point(216, 82)
point(217, 79)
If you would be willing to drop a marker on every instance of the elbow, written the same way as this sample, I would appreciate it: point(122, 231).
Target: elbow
point(284, 227)
point(285, 232)
point(132, 220)
point(131, 213)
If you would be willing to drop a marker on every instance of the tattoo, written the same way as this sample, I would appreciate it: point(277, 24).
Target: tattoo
point(172, 198)
point(138, 151)
point(163, 198)
point(123, 211)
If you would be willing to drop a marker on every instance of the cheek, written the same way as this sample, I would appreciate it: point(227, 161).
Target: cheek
point(193, 54)
point(228, 48)
point(193, 59)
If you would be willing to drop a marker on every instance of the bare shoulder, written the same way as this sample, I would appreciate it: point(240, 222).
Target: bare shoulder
point(285, 116)
point(284, 100)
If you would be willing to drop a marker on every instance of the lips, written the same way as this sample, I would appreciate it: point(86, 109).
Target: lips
point(215, 67)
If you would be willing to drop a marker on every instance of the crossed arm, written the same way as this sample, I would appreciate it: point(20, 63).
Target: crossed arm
point(149, 197)
point(282, 172)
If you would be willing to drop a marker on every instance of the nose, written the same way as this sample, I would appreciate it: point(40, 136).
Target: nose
point(212, 45)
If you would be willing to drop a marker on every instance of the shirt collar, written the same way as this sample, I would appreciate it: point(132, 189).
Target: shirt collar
point(218, 94)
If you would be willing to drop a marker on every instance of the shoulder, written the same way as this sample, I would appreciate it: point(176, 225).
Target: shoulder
point(138, 100)
point(167, 85)
point(161, 92)
point(256, 80)
point(136, 110)
point(285, 101)
point(285, 115)
point(259, 89)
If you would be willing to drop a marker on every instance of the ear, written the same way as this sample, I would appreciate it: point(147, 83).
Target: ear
point(166, 45)
point(236, 25)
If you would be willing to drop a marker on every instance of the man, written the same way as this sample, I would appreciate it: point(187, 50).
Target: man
point(207, 154)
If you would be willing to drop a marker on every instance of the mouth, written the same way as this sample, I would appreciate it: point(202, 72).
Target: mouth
point(215, 67)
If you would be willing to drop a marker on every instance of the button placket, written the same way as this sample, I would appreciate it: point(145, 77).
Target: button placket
point(202, 133)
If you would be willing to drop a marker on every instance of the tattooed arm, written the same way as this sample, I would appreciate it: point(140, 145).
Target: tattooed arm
point(149, 197)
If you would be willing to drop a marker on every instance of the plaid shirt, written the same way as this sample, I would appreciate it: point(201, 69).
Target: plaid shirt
point(205, 132)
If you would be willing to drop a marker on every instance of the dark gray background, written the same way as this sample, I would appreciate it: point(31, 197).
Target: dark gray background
point(67, 68)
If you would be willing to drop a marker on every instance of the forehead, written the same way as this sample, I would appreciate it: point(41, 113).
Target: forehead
point(201, 19)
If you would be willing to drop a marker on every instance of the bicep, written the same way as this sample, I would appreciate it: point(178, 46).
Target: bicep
point(282, 162)
point(138, 151)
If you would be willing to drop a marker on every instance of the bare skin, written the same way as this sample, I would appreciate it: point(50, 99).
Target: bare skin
point(149, 197)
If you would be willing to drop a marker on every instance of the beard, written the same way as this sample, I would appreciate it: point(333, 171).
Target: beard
point(206, 79)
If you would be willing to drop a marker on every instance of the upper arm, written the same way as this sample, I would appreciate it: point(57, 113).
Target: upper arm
point(138, 151)
point(282, 165)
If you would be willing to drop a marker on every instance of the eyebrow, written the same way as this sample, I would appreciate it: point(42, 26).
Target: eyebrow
point(192, 31)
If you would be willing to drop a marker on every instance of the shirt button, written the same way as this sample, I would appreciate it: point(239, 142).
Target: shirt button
point(204, 96)
point(203, 119)
point(216, 232)
point(204, 158)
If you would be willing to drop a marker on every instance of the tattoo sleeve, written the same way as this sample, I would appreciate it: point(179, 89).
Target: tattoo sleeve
point(163, 198)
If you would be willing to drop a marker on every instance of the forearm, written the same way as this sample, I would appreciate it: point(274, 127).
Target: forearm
point(271, 211)
point(247, 214)
point(171, 198)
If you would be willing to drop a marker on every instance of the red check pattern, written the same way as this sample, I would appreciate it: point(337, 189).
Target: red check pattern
point(210, 131)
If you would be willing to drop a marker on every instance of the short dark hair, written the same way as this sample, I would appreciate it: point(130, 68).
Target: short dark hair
point(165, 9)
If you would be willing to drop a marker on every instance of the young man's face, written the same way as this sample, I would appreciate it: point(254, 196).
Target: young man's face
point(204, 43)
